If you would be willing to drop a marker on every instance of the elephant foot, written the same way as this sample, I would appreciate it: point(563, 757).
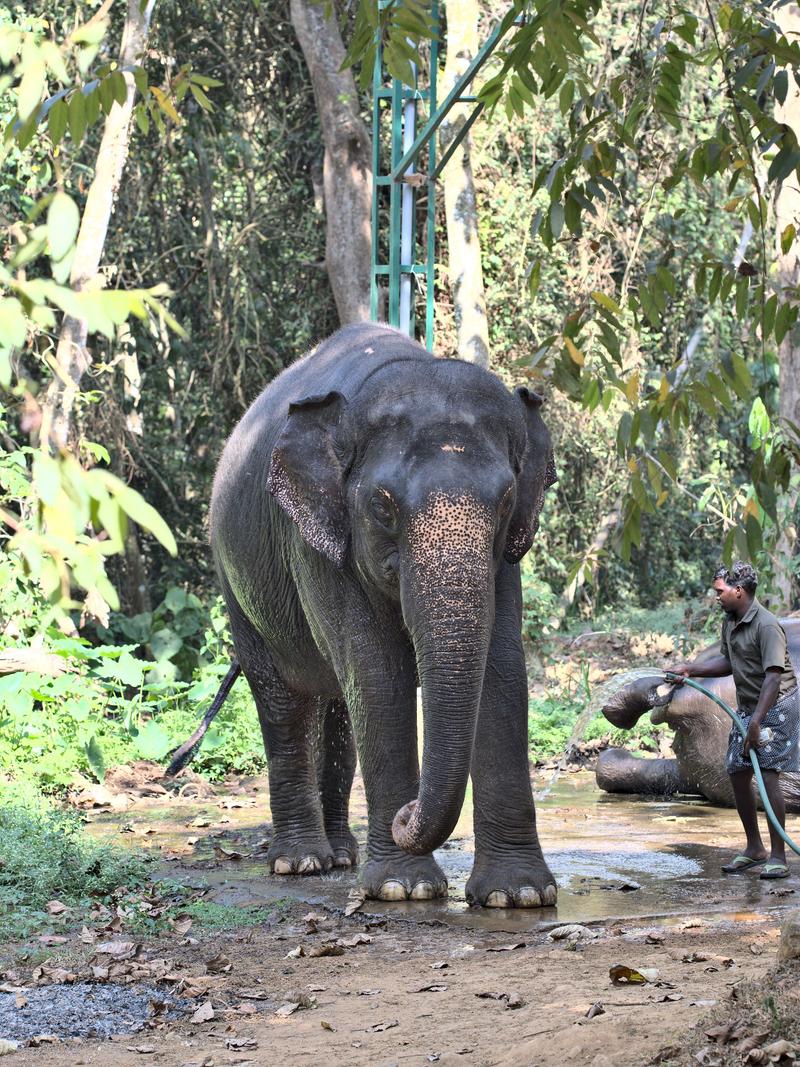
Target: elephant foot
point(300, 857)
point(511, 883)
point(404, 877)
point(345, 849)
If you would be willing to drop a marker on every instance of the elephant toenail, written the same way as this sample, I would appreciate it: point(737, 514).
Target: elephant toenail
point(309, 865)
point(342, 857)
point(549, 895)
point(392, 890)
point(423, 891)
point(498, 899)
point(528, 897)
point(282, 865)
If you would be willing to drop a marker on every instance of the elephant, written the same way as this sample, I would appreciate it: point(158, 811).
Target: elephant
point(368, 516)
point(700, 741)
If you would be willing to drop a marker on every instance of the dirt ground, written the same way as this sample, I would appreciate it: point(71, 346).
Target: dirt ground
point(428, 983)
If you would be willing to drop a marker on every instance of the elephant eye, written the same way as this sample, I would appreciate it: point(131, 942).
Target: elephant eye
point(381, 510)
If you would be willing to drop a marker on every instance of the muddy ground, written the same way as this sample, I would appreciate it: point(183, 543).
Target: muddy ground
point(273, 970)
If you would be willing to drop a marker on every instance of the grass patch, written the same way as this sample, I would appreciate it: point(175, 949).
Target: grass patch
point(46, 854)
point(216, 918)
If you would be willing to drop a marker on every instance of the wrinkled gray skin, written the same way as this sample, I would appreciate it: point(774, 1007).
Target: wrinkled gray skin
point(700, 741)
point(368, 516)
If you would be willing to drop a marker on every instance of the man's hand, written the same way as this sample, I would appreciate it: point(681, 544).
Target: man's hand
point(681, 671)
point(753, 739)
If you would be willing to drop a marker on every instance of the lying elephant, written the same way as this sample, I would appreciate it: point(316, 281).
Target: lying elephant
point(700, 741)
point(368, 516)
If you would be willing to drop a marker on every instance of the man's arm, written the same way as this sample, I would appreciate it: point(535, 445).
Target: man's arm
point(715, 667)
point(766, 698)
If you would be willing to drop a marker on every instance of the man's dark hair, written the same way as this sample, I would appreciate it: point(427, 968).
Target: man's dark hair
point(739, 574)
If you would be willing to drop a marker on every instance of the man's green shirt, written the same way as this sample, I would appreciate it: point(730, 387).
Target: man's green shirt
point(752, 645)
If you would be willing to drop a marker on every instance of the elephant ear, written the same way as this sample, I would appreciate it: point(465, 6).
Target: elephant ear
point(538, 472)
point(306, 475)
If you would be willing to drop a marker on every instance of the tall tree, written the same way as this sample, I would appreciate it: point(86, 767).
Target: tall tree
point(787, 221)
point(347, 173)
point(461, 210)
point(72, 355)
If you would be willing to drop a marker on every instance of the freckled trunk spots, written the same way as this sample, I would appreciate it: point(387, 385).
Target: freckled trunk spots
point(447, 596)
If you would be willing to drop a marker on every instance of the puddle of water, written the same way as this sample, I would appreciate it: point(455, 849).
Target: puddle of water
point(593, 841)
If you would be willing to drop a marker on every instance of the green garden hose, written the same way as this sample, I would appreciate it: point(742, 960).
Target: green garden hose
point(740, 726)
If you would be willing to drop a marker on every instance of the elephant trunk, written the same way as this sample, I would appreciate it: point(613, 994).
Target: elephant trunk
point(447, 598)
point(633, 694)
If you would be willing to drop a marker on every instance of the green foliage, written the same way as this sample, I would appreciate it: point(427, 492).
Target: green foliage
point(539, 602)
point(654, 106)
point(46, 856)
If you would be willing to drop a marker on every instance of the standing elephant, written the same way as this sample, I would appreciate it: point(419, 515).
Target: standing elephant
point(700, 741)
point(367, 519)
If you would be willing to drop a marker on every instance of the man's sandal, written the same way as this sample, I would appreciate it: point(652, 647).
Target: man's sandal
point(742, 863)
point(775, 870)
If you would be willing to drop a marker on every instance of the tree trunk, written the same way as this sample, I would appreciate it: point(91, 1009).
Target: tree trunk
point(461, 210)
point(787, 211)
point(347, 170)
point(72, 355)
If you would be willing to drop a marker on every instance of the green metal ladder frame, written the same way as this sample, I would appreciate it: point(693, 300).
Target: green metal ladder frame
point(403, 103)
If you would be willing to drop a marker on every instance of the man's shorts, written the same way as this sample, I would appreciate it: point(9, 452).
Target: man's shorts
point(782, 752)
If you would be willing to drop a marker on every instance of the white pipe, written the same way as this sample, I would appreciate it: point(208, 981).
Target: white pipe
point(407, 214)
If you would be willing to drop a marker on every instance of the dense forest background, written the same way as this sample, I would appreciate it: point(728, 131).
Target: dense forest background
point(224, 197)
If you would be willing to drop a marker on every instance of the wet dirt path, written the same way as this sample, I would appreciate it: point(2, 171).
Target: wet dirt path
point(408, 983)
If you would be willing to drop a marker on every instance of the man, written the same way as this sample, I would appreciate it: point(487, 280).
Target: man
point(753, 648)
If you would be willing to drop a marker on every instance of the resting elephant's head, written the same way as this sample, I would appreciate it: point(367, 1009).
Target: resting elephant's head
point(421, 483)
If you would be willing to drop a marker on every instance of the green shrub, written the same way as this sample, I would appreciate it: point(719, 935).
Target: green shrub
point(47, 855)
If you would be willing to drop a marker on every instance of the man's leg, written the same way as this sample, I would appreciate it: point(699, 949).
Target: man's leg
point(772, 782)
point(742, 782)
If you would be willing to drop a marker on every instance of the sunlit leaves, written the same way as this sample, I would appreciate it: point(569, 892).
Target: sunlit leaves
point(63, 219)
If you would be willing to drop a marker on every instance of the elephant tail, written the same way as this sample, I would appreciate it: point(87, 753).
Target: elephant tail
point(185, 753)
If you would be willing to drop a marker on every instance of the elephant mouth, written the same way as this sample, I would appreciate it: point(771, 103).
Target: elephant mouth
point(659, 696)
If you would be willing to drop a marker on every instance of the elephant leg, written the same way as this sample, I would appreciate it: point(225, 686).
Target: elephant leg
point(336, 768)
point(509, 869)
point(300, 844)
point(618, 771)
point(381, 696)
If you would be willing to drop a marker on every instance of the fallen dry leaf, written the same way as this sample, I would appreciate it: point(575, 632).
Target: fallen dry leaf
point(219, 965)
point(357, 899)
point(622, 974)
point(327, 1026)
point(287, 1009)
point(378, 1028)
point(506, 948)
point(181, 924)
point(253, 994)
point(53, 939)
point(572, 932)
point(55, 907)
point(357, 939)
point(205, 1013)
point(433, 988)
point(439, 965)
point(326, 950)
point(143, 1050)
point(236, 1044)
point(119, 950)
point(221, 853)
point(367, 992)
